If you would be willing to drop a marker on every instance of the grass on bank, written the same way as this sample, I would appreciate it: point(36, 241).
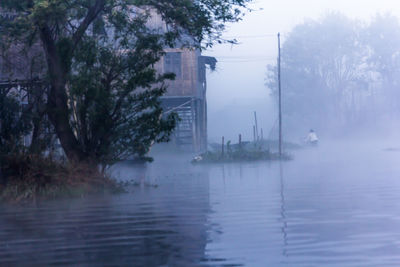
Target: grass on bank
point(27, 177)
point(246, 151)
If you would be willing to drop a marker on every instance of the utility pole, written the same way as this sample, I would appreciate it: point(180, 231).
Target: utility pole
point(280, 94)
point(256, 125)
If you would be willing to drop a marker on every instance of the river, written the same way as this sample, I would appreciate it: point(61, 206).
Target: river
point(334, 205)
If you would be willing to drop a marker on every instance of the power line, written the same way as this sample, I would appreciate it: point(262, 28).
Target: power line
point(244, 57)
point(245, 61)
point(251, 36)
point(249, 58)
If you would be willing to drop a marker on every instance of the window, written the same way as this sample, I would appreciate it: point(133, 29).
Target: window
point(173, 63)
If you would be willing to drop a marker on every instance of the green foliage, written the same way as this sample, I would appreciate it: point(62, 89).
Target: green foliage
point(14, 123)
point(103, 97)
point(244, 152)
point(202, 20)
point(241, 155)
point(115, 92)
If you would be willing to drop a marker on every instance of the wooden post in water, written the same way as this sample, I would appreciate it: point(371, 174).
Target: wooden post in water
point(240, 140)
point(256, 123)
point(223, 147)
point(254, 133)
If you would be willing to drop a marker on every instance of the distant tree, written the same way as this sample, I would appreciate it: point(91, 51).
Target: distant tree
point(103, 97)
point(323, 68)
point(382, 37)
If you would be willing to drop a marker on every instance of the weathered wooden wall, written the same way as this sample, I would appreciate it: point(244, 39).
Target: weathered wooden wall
point(185, 95)
point(185, 83)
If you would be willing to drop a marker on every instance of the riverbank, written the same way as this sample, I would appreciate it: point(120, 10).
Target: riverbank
point(26, 178)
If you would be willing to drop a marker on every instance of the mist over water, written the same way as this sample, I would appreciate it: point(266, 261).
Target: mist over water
point(335, 205)
point(339, 69)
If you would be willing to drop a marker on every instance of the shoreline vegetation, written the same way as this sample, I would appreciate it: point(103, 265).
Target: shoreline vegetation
point(27, 178)
point(68, 87)
point(244, 152)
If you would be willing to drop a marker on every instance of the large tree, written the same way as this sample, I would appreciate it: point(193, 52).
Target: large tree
point(324, 68)
point(103, 90)
point(382, 37)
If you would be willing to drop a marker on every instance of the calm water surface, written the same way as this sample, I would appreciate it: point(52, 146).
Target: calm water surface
point(336, 205)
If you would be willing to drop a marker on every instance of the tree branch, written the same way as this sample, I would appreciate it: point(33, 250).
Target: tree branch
point(90, 17)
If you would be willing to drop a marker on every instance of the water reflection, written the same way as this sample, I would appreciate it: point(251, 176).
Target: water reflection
point(283, 215)
point(163, 226)
point(318, 210)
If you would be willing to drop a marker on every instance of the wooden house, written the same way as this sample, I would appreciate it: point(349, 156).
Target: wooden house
point(186, 95)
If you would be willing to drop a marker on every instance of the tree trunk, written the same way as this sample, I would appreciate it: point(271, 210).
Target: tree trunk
point(57, 99)
point(37, 129)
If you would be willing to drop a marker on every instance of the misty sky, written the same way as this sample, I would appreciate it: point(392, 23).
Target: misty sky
point(237, 88)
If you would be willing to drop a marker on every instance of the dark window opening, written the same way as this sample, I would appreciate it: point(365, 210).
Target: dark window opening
point(173, 63)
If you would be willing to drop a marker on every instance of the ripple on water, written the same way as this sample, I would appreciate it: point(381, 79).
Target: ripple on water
point(314, 211)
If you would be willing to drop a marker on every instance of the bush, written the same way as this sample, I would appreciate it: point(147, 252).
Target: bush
point(14, 123)
point(28, 177)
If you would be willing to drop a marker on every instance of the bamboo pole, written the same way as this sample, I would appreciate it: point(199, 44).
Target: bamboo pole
point(256, 125)
point(223, 147)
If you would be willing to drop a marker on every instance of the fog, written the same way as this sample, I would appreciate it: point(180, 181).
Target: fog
point(237, 88)
point(328, 202)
